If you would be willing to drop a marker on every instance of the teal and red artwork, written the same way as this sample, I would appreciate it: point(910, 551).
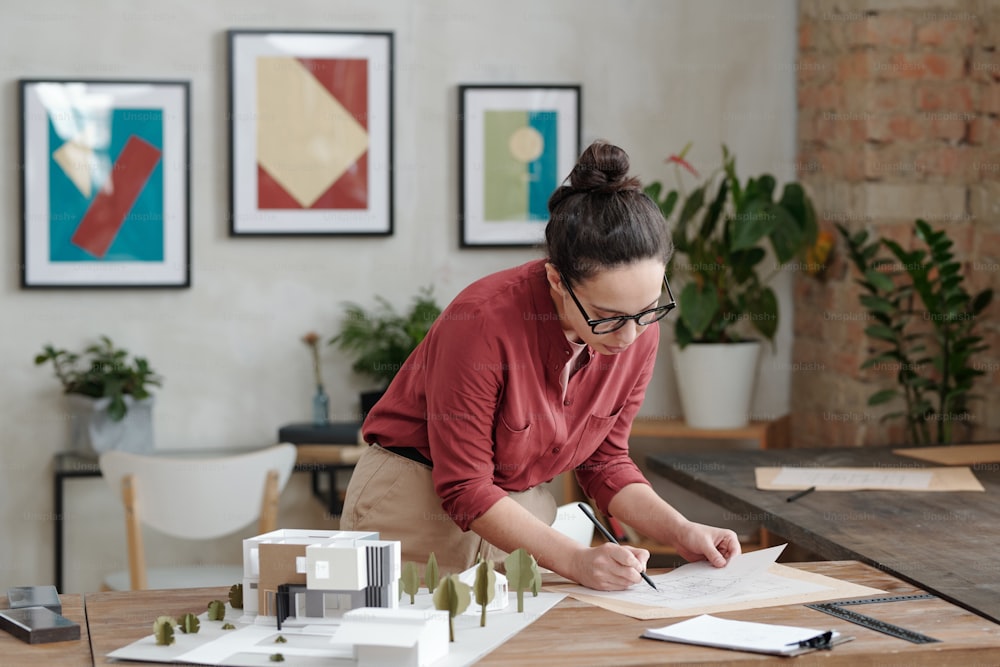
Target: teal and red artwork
point(106, 199)
point(520, 150)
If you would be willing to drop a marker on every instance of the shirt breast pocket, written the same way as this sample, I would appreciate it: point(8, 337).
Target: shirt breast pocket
point(594, 432)
point(511, 443)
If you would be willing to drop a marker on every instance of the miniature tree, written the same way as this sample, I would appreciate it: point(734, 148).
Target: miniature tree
point(522, 574)
point(163, 630)
point(431, 574)
point(485, 587)
point(216, 610)
point(409, 582)
point(236, 596)
point(189, 624)
point(452, 596)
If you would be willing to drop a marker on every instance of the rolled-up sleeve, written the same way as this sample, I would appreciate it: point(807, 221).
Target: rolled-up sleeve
point(462, 394)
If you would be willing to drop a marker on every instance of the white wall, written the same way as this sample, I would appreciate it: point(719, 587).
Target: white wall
point(655, 75)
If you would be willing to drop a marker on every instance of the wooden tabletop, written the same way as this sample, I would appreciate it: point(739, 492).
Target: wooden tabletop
point(575, 633)
point(73, 653)
point(944, 542)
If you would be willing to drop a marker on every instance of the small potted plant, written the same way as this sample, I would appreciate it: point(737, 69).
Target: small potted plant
point(380, 340)
point(108, 394)
point(723, 231)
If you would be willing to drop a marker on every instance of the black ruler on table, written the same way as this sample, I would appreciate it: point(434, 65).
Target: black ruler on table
point(837, 609)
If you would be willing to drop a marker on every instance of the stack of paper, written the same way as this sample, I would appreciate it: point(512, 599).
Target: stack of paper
point(708, 630)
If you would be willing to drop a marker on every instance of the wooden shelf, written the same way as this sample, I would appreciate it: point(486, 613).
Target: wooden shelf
point(772, 434)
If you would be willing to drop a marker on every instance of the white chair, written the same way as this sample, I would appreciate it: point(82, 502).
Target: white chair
point(196, 498)
point(572, 522)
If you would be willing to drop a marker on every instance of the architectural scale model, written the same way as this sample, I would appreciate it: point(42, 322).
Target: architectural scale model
point(314, 576)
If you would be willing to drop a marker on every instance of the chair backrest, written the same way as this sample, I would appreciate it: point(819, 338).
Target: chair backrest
point(198, 497)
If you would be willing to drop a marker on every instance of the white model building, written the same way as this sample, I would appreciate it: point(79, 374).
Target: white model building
point(312, 575)
point(395, 637)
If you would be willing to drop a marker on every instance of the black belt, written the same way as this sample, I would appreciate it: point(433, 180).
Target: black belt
point(411, 453)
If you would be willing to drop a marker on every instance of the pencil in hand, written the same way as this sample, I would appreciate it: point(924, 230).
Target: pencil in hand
point(610, 538)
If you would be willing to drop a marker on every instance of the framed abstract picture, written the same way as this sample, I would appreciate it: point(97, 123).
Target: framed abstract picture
point(310, 132)
point(105, 189)
point(516, 145)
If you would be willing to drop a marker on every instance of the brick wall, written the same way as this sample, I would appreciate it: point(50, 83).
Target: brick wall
point(899, 118)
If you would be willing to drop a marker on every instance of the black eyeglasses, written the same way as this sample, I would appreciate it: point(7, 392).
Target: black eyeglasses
point(608, 324)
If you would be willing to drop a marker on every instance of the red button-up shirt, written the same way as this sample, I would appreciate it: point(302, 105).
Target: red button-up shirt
point(481, 398)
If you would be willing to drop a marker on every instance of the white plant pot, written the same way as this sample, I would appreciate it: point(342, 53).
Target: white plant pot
point(92, 431)
point(715, 382)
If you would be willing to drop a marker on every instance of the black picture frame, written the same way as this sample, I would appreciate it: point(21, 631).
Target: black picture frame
point(310, 133)
point(105, 184)
point(517, 143)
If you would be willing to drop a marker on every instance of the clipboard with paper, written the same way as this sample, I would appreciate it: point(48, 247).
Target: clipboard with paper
point(707, 630)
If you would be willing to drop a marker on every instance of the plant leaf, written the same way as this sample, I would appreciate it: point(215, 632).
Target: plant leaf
point(698, 306)
point(883, 396)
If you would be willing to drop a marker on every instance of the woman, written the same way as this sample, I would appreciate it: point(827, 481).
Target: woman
point(528, 373)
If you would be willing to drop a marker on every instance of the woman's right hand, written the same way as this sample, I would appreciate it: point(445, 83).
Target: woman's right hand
point(609, 567)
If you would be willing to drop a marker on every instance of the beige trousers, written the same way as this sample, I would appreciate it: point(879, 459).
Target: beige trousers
point(395, 496)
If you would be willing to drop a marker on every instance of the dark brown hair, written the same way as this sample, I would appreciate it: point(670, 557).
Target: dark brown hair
point(602, 219)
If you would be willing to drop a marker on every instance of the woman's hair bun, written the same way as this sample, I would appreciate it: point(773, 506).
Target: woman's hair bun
point(603, 168)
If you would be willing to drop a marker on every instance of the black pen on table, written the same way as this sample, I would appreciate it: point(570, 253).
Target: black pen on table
point(798, 494)
point(610, 538)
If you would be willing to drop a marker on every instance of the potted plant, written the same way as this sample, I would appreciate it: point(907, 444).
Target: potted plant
point(108, 394)
point(381, 339)
point(925, 326)
point(723, 231)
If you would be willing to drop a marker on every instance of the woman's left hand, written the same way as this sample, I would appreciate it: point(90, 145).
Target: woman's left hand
point(696, 541)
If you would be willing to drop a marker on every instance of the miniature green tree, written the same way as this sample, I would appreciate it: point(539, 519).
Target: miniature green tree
point(216, 610)
point(236, 596)
point(409, 583)
point(485, 587)
point(431, 574)
point(522, 574)
point(452, 596)
point(189, 624)
point(163, 630)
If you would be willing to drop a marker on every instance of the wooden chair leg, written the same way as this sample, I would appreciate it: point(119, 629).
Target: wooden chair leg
point(133, 532)
point(269, 506)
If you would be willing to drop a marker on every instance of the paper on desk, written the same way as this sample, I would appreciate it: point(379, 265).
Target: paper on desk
point(858, 479)
point(749, 581)
point(708, 630)
point(954, 455)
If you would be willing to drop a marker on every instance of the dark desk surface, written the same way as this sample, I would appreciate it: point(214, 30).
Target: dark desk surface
point(945, 542)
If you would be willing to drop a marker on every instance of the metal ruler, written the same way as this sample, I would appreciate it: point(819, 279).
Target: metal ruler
point(837, 609)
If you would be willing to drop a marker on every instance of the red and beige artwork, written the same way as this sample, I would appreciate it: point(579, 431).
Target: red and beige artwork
point(312, 133)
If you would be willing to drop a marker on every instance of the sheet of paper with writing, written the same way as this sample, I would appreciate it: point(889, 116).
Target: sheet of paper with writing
point(787, 478)
point(749, 581)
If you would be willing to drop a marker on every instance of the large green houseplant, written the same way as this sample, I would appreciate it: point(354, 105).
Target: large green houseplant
point(381, 339)
point(924, 326)
point(723, 232)
point(109, 395)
